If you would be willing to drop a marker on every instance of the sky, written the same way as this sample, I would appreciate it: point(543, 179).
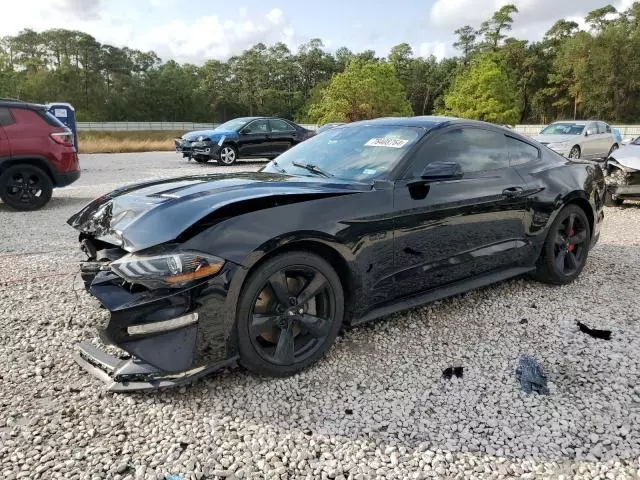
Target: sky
point(197, 30)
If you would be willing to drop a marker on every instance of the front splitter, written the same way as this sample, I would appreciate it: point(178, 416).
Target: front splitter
point(133, 375)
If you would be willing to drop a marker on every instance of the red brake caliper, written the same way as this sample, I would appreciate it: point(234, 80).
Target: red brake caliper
point(571, 234)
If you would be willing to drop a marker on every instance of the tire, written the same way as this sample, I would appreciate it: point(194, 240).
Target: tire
point(555, 267)
point(575, 152)
point(611, 201)
point(228, 155)
point(277, 339)
point(25, 187)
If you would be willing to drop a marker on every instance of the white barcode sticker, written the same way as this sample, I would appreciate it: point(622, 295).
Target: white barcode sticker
point(386, 142)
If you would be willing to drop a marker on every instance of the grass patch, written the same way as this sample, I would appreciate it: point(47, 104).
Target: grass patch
point(126, 142)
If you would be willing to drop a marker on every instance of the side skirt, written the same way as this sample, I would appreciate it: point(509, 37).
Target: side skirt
point(440, 293)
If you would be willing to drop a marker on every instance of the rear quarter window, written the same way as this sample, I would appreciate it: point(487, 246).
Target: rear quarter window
point(5, 117)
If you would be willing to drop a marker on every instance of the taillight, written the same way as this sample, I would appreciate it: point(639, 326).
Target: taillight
point(63, 138)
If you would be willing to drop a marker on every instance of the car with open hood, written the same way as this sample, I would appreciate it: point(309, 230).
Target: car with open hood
point(264, 268)
point(590, 139)
point(622, 170)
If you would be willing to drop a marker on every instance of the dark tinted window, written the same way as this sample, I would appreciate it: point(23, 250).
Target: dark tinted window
point(474, 149)
point(258, 126)
point(5, 117)
point(50, 118)
point(520, 152)
point(280, 126)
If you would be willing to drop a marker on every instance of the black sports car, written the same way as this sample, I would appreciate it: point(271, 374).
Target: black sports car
point(246, 137)
point(371, 218)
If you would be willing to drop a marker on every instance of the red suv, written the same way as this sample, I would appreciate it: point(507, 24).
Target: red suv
point(36, 154)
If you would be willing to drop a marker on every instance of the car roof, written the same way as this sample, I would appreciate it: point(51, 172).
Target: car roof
point(427, 121)
point(14, 103)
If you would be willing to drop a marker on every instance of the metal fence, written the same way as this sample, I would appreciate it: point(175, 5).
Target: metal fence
point(628, 131)
point(157, 126)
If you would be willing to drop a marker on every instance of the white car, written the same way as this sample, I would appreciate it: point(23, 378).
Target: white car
point(590, 139)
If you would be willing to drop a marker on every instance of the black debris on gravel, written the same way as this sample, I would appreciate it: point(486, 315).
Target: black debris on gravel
point(524, 321)
point(531, 376)
point(450, 372)
point(594, 332)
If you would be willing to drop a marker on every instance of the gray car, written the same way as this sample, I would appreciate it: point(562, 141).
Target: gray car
point(590, 139)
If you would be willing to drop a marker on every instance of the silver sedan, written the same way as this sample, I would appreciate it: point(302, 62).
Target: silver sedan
point(590, 139)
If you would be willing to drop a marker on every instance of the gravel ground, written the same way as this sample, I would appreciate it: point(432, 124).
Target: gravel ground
point(375, 407)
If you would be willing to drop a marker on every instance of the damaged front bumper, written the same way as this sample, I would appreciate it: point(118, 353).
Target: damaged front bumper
point(622, 182)
point(130, 374)
point(167, 337)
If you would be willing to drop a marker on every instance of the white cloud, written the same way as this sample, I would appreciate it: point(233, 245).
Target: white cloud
point(190, 39)
point(437, 49)
point(452, 14)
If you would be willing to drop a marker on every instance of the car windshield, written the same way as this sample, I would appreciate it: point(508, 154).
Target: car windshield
point(564, 128)
point(636, 141)
point(232, 125)
point(358, 153)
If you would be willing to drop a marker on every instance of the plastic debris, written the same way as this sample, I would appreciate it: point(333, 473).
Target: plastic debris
point(531, 376)
point(452, 372)
point(173, 477)
point(594, 332)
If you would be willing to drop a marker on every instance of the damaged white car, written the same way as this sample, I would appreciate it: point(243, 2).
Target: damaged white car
point(622, 174)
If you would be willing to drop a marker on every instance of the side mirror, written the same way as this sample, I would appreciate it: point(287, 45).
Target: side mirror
point(244, 131)
point(442, 171)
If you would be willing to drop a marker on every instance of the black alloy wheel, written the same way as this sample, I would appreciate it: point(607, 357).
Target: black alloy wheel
point(25, 187)
point(290, 312)
point(566, 248)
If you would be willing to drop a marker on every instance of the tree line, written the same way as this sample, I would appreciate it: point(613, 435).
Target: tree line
point(568, 73)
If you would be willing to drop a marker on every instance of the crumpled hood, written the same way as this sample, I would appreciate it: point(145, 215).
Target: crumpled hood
point(628, 156)
point(191, 136)
point(556, 138)
point(146, 214)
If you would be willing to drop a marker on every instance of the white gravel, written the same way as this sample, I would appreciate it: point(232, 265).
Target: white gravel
point(375, 407)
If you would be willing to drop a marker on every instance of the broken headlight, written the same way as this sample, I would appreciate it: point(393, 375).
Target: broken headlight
point(173, 269)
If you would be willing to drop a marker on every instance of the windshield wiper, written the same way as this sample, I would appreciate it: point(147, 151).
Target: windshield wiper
point(278, 167)
point(312, 168)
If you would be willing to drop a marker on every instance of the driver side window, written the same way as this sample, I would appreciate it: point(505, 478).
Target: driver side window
point(474, 149)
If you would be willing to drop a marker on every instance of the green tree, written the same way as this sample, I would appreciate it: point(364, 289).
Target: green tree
point(364, 90)
point(492, 30)
point(466, 42)
point(484, 91)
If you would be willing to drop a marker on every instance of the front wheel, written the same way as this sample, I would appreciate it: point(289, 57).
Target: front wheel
point(25, 187)
point(565, 250)
point(575, 152)
point(228, 155)
point(289, 314)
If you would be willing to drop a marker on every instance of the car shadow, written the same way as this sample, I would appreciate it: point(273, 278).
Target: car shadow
point(56, 203)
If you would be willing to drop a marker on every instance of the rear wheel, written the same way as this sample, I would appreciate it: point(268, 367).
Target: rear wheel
point(575, 152)
point(565, 250)
point(289, 314)
point(25, 187)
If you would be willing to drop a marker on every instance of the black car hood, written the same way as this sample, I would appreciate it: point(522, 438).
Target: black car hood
point(146, 214)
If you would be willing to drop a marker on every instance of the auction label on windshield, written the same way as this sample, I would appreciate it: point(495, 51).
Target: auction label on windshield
point(386, 142)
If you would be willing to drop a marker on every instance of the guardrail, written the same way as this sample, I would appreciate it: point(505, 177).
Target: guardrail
point(157, 126)
point(628, 131)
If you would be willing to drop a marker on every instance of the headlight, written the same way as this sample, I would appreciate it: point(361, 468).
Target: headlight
point(559, 145)
point(172, 269)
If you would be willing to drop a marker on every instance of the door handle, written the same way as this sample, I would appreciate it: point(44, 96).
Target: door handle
point(512, 192)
